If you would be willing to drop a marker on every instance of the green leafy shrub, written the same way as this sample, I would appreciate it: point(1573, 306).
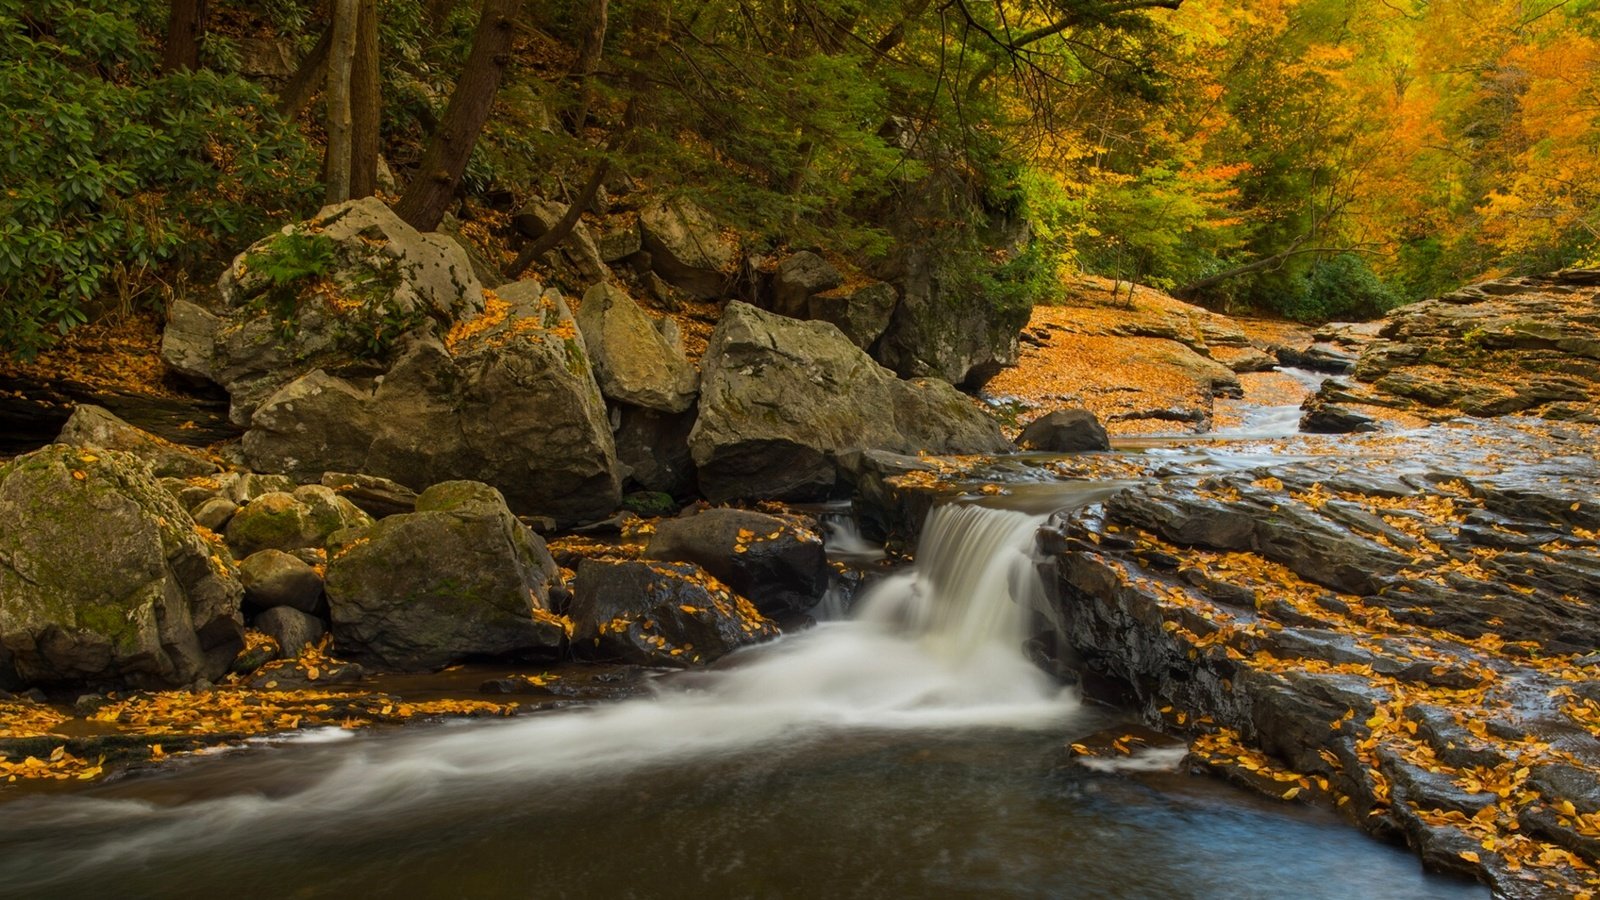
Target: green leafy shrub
point(1342, 287)
point(116, 176)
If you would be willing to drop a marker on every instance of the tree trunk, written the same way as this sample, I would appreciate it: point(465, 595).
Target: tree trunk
point(366, 103)
point(594, 41)
point(303, 83)
point(341, 53)
point(186, 25)
point(445, 160)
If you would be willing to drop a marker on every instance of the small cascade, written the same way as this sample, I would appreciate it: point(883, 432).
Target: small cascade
point(972, 586)
point(842, 536)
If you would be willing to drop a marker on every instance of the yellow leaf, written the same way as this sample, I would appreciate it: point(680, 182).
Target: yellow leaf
point(313, 673)
point(1468, 855)
point(1291, 793)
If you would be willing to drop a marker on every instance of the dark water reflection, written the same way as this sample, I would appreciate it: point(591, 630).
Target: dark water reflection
point(904, 814)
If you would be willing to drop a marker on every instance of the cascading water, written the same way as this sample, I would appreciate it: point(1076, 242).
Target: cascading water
point(901, 754)
point(937, 648)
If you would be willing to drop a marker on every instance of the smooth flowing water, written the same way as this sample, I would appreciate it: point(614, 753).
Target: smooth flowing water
point(909, 752)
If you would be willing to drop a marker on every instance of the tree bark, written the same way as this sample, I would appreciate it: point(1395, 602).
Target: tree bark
point(366, 103)
point(302, 85)
point(186, 25)
point(341, 53)
point(444, 162)
point(594, 41)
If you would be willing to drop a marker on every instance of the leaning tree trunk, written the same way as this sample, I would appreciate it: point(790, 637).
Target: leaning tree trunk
point(365, 103)
point(439, 173)
point(302, 85)
point(186, 25)
point(341, 53)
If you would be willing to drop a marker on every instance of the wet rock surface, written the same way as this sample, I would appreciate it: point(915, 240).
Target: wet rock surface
point(778, 562)
point(1404, 625)
point(659, 614)
point(1526, 345)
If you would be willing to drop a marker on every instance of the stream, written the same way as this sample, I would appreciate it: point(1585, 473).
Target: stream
point(906, 751)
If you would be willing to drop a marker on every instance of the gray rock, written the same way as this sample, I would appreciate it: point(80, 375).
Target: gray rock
point(242, 487)
point(862, 314)
point(654, 446)
point(633, 362)
point(93, 426)
point(214, 513)
point(275, 578)
point(780, 397)
point(291, 628)
point(104, 578)
point(1065, 431)
point(514, 404)
point(798, 277)
point(579, 247)
point(460, 578)
point(659, 614)
point(688, 249)
point(942, 331)
point(279, 521)
point(377, 497)
point(779, 563)
point(616, 243)
point(370, 277)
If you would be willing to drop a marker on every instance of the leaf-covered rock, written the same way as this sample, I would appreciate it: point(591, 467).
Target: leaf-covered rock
point(104, 578)
point(659, 614)
point(334, 291)
point(94, 426)
point(777, 562)
point(508, 398)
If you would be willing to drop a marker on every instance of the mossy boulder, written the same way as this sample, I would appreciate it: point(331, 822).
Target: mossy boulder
point(659, 614)
point(334, 291)
point(461, 578)
point(510, 399)
point(104, 578)
point(292, 521)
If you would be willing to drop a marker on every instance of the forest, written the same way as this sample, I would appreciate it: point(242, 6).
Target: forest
point(1315, 159)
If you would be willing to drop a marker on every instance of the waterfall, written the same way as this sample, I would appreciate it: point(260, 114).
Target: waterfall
point(972, 586)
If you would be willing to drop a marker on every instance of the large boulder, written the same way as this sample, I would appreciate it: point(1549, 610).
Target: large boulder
point(659, 614)
point(1513, 345)
point(460, 578)
point(94, 426)
point(633, 361)
point(862, 314)
point(333, 292)
point(688, 249)
point(509, 399)
point(780, 397)
point(798, 278)
point(104, 579)
point(779, 563)
point(1065, 431)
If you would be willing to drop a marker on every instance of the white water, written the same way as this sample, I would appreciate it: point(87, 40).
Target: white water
point(935, 648)
point(842, 536)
